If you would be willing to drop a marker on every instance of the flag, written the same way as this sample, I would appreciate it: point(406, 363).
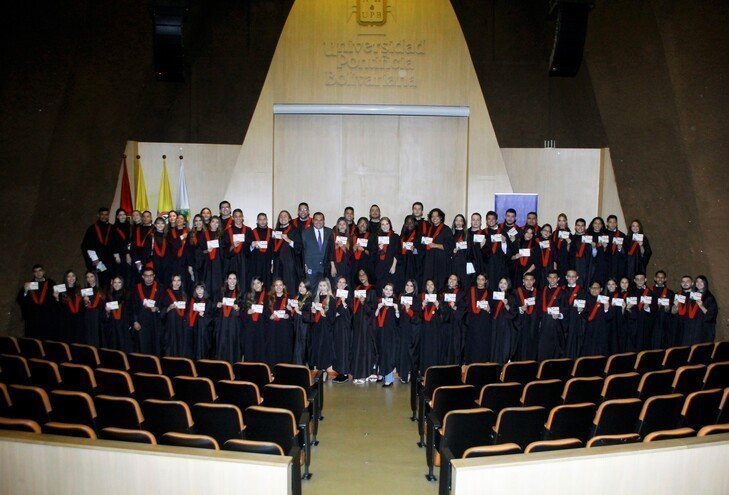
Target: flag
point(183, 202)
point(141, 202)
point(164, 198)
point(125, 203)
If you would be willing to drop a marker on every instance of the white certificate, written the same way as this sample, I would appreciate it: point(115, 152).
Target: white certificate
point(431, 298)
point(512, 232)
point(564, 234)
point(605, 239)
point(496, 237)
point(499, 295)
point(479, 238)
point(362, 242)
point(236, 238)
point(406, 300)
point(587, 239)
point(553, 310)
point(426, 240)
point(87, 292)
point(276, 234)
point(680, 298)
point(293, 303)
point(280, 313)
point(33, 286)
point(449, 298)
point(387, 301)
point(646, 299)
point(696, 296)
point(544, 244)
point(525, 253)
point(618, 241)
point(316, 307)
point(101, 266)
point(462, 245)
point(360, 293)
point(637, 237)
point(603, 299)
point(482, 304)
point(664, 301)
point(408, 246)
point(228, 301)
point(180, 304)
point(92, 255)
point(58, 289)
point(214, 244)
point(579, 303)
point(199, 307)
point(632, 300)
point(148, 303)
point(257, 308)
point(342, 293)
point(619, 302)
point(341, 240)
point(383, 239)
point(470, 269)
point(262, 244)
point(530, 301)
point(112, 305)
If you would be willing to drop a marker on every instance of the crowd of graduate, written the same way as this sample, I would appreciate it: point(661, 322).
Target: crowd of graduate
point(361, 299)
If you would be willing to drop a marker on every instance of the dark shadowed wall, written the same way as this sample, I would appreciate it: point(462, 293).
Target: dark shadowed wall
point(76, 82)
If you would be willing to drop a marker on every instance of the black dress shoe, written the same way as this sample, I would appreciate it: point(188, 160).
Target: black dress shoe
point(341, 379)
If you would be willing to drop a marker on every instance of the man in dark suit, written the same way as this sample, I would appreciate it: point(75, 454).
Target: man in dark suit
point(314, 243)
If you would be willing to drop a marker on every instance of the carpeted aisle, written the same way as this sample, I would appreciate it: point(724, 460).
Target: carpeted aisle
point(368, 443)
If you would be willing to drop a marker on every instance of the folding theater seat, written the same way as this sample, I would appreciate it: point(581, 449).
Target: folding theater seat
point(144, 363)
point(152, 386)
point(620, 386)
point(549, 445)
point(560, 369)
point(70, 406)
point(266, 448)
point(434, 377)
point(701, 353)
point(9, 345)
point(656, 383)
point(6, 405)
point(78, 377)
point(587, 366)
point(546, 393)
point(294, 399)
point(649, 360)
point(241, 394)
point(689, 378)
point(570, 421)
point(717, 376)
point(178, 366)
point(124, 435)
point(264, 424)
point(85, 354)
point(69, 430)
point(720, 353)
point(45, 374)
point(498, 396)
point(165, 416)
point(619, 363)
point(301, 376)
point(700, 408)
point(492, 450)
point(660, 412)
point(480, 374)
point(113, 359)
point(670, 434)
point(219, 421)
point(189, 440)
point(258, 373)
point(214, 369)
point(30, 402)
point(114, 382)
point(118, 412)
point(676, 357)
point(193, 390)
point(14, 369)
point(582, 389)
point(31, 348)
point(616, 417)
point(520, 371)
point(58, 352)
point(713, 430)
point(520, 425)
point(608, 440)
point(13, 424)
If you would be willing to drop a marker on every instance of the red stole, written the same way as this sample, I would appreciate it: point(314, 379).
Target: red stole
point(358, 254)
point(593, 311)
point(229, 309)
point(549, 304)
point(191, 313)
point(356, 306)
point(474, 306)
point(40, 299)
point(175, 235)
point(646, 291)
point(278, 242)
point(171, 295)
point(153, 292)
point(523, 298)
point(428, 309)
point(281, 307)
point(230, 232)
point(381, 317)
point(494, 245)
point(160, 252)
point(103, 239)
point(317, 315)
point(433, 235)
point(138, 240)
point(383, 251)
point(297, 222)
point(212, 253)
point(522, 260)
point(573, 294)
point(73, 303)
point(94, 303)
point(614, 247)
point(403, 240)
point(338, 250)
point(261, 297)
point(633, 247)
point(546, 254)
point(257, 237)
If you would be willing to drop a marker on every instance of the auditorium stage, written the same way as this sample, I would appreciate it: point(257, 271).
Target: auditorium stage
point(368, 443)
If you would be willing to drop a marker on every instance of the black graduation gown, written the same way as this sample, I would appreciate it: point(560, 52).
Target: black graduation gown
point(619, 338)
point(618, 256)
point(141, 248)
point(640, 320)
point(477, 342)
point(284, 259)
point(504, 342)
point(383, 260)
point(527, 324)
point(279, 334)
point(229, 329)
point(409, 337)
point(551, 330)
point(98, 238)
point(580, 255)
point(362, 260)
point(452, 327)
point(178, 252)
point(637, 262)
point(545, 262)
point(176, 333)
point(575, 324)
point(340, 256)
point(213, 264)
point(117, 331)
point(364, 351)
point(407, 265)
point(431, 341)
point(121, 239)
point(254, 328)
point(72, 321)
point(161, 257)
point(560, 253)
point(237, 258)
point(301, 332)
point(150, 336)
point(386, 334)
point(199, 330)
point(259, 264)
point(497, 261)
point(461, 257)
point(301, 226)
point(39, 311)
point(662, 331)
point(93, 313)
point(600, 265)
point(597, 340)
point(421, 227)
point(699, 326)
point(196, 259)
point(320, 333)
point(523, 264)
point(342, 336)
point(437, 262)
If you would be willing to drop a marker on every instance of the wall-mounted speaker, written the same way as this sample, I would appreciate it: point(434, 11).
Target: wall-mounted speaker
point(569, 36)
point(168, 48)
